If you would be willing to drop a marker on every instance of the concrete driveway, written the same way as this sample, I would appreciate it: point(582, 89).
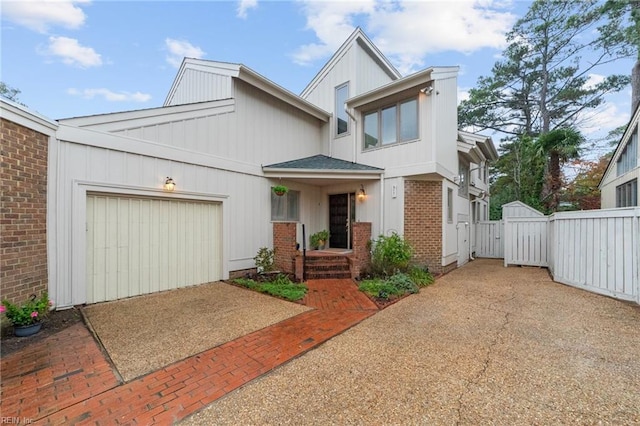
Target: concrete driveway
point(484, 345)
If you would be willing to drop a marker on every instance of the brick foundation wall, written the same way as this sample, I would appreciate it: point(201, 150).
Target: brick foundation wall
point(361, 257)
point(23, 212)
point(284, 244)
point(423, 222)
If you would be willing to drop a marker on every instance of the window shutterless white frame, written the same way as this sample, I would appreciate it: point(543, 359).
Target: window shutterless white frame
point(449, 205)
point(342, 119)
point(285, 208)
point(391, 124)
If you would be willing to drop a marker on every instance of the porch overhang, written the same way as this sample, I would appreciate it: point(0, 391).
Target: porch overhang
point(322, 170)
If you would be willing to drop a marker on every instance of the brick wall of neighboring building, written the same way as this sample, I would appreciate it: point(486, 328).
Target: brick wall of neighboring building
point(23, 212)
point(423, 222)
point(361, 257)
point(284, 244)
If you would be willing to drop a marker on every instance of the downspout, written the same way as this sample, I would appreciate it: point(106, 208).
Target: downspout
point(355, 133)
point(381, 205)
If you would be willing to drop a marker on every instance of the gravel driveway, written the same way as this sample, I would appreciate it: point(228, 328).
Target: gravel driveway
point(484, 345)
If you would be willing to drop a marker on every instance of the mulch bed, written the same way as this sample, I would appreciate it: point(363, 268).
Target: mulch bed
point(55, 322)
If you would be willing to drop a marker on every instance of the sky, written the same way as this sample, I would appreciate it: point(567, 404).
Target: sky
point(73, 58)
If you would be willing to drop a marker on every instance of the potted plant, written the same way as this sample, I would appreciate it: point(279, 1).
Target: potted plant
point(319, 239)
point(280, 190)
point(26, 318)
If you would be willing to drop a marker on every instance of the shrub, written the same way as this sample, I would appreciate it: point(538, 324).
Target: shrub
point(390, 255)
point(403, 283)
point(421, 276)
point(264, 259)
point(378, 288)
point(280, 286)
point(30, 312)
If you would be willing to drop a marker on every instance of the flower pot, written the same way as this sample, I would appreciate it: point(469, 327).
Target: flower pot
point(27, 330)
point(279, 193)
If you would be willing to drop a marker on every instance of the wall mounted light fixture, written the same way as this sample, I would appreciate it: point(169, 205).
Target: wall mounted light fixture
point(169, 184)
point(361, 194)
point(427, 90)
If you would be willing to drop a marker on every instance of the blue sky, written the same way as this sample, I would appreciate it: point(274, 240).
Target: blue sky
point(79, 57)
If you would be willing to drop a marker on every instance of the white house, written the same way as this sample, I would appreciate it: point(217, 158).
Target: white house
point(360, 145)
point(619, 184)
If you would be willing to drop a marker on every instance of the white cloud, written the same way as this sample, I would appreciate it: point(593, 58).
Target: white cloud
point(332, 23)
point(110, 95)
point(72, 53)
point(244, 6)
point(178, 49)
point(39, 15)
point(406, 31)
point(593, 80)
point(600, 121)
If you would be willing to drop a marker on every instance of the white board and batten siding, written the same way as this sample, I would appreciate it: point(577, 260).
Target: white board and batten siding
point(142, 245)
point(598, 251)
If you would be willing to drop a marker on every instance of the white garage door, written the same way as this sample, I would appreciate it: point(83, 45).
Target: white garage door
point(144, 245)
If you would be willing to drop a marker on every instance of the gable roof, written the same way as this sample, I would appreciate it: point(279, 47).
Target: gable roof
point(484, 143)
point(321, 162)
point(361, 38)
point(249, 76)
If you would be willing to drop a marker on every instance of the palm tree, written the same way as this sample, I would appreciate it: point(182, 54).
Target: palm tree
point(558, 146)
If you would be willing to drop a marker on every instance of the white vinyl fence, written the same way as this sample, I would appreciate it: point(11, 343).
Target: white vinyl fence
point(596, 250)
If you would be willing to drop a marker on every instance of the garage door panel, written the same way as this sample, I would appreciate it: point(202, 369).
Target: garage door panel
point(144, 245)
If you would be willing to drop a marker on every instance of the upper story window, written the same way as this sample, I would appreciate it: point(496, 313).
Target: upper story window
point(391, 124)
point(342, 119)
point(463, 179)
point(628, 159)
point(627, 194)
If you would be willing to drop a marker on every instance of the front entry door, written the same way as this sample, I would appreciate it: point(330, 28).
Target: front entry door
point(342, 213)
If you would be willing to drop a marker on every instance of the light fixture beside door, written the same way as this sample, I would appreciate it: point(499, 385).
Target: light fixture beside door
point(361, 195)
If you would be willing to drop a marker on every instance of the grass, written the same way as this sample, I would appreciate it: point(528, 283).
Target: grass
point(280, 286)
point(397, 285)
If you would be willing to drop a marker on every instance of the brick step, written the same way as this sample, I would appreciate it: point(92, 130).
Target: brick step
point(318, 275)
point(327, 259)
point(328, 267)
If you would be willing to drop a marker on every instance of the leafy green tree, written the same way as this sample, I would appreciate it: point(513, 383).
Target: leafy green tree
point(543, 81)
point(9, 92)
point(557, 147)
point(583, 191)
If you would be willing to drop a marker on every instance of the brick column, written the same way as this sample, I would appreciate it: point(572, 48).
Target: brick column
point(361, 248)
point(423, 222)
point(284, 244)
point(23, 212)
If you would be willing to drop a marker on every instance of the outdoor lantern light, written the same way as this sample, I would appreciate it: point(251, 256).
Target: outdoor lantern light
point(361, 194)
point(169, 184)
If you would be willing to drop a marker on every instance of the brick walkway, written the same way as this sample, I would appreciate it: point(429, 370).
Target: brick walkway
point(75, 385)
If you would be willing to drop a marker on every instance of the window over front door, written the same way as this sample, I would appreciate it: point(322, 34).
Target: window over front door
point(342, 119)
point(391, 124)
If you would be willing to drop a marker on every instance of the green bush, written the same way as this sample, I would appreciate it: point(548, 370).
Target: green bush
point(280, 286)
point(390, 255)
point(421, 276)
point(264, 259)
point(403, 283)
point(378, 288)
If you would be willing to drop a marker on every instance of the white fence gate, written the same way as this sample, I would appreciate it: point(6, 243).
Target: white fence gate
point(596, 250)
point(525, 241)
point(489, 241)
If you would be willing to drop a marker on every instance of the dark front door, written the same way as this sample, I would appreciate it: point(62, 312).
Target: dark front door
point(342, 213)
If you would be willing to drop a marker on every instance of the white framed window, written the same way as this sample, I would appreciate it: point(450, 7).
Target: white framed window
point(342, 119)
point(285, 208)
point(627, 194)
point(449, 205)
point(463, 179)
point(628, 159)
point(391, 124)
